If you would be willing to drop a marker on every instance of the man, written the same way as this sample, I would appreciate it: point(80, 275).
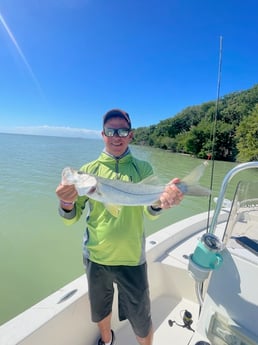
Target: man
point(114, 247)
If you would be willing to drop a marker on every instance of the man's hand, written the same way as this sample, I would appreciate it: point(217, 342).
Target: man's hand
point(171, 195)
point(67, 194)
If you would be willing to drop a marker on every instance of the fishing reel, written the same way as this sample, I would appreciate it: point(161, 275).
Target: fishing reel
point(187, 321)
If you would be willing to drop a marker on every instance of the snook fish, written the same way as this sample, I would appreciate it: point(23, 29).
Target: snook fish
point(117, 192)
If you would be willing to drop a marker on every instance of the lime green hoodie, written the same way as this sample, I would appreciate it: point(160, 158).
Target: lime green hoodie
point(110, 240)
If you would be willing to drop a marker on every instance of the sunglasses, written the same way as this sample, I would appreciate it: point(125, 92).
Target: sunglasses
point(121, 132)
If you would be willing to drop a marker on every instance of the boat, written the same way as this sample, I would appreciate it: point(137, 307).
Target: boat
point(203, 284)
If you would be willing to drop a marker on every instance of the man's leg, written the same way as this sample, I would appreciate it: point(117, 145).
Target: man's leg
point(134, 301)
point(147, 340)
point(105, 329)
point(101, 291)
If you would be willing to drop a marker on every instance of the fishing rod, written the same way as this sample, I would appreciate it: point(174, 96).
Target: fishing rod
point(214, 127)
point(199, 286)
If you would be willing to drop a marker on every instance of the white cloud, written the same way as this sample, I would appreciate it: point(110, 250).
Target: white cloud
point(54, 131)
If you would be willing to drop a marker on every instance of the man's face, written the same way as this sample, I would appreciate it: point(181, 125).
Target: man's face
point(117, 145)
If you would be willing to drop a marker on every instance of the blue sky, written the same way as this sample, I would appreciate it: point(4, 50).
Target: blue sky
point(64, 63)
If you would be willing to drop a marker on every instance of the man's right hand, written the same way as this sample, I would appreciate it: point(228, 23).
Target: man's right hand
point(67, 194)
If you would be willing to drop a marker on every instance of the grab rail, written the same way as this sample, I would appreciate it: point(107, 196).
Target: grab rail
point(227, 178)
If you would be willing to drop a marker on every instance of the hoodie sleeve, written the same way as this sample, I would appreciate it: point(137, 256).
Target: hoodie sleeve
point(74, 215)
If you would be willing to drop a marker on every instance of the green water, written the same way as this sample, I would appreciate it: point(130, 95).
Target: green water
point(38, 253)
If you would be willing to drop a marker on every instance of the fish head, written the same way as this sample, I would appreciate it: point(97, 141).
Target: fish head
point(86, 183)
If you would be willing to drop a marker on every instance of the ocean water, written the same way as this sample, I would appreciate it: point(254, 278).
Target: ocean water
point(38, 253)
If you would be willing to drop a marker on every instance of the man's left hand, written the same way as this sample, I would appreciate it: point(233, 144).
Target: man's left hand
point(172, 195)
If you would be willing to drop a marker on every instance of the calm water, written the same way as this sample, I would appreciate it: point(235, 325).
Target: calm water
point(38, 253)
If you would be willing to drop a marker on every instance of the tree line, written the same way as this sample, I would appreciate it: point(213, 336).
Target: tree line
point(227, 129)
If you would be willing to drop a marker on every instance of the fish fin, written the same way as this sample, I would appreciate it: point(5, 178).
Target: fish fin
point(194, 176)
point(152, 180)
point(190, 184)
point(197, 190)
point(114, 210)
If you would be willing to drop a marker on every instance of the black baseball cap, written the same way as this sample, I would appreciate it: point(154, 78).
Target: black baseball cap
point(117, 113)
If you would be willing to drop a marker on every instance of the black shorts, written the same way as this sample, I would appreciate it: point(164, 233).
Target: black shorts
point(133, 294)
